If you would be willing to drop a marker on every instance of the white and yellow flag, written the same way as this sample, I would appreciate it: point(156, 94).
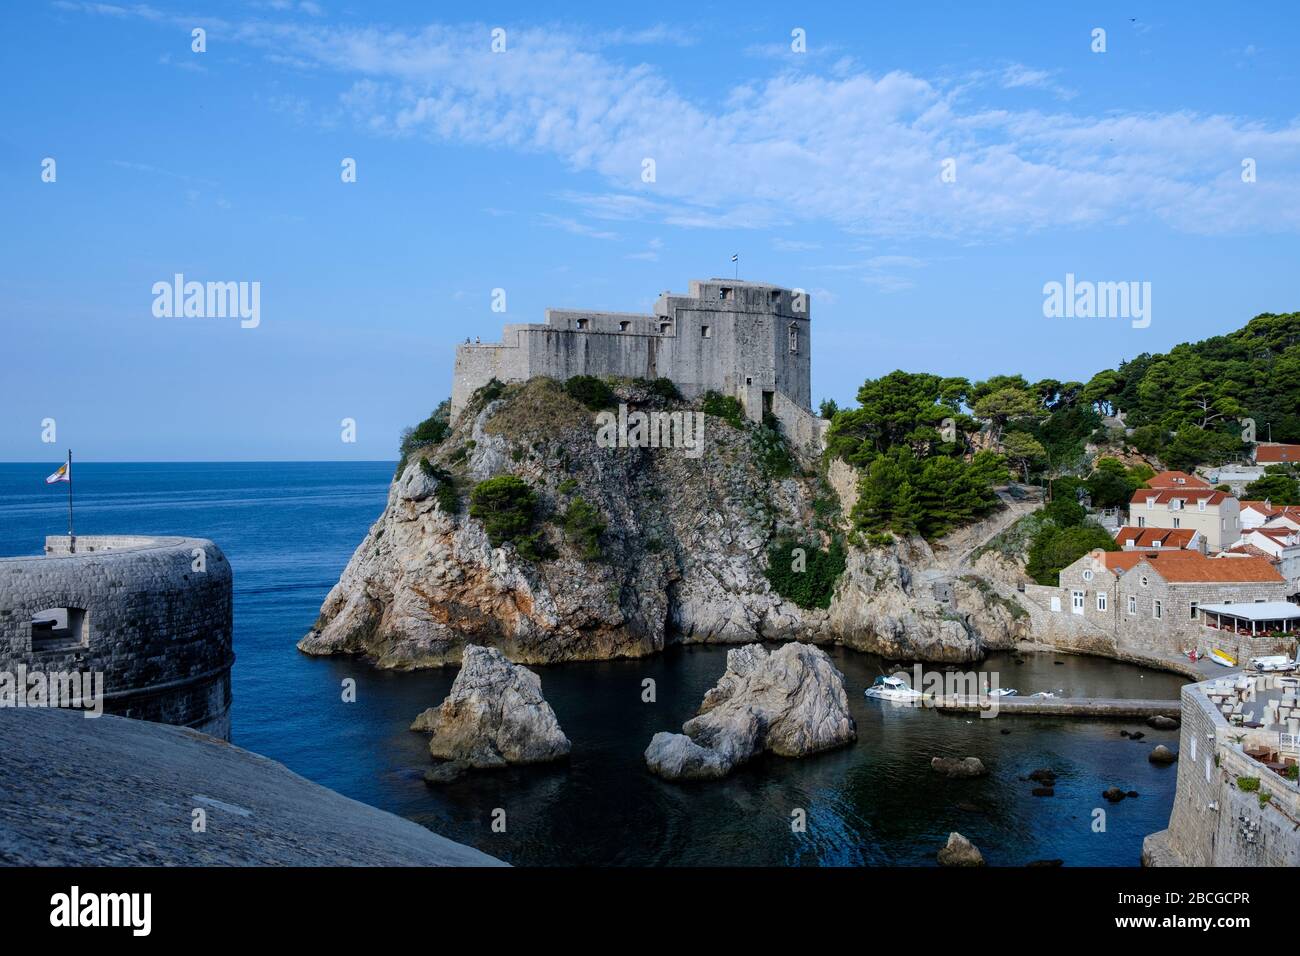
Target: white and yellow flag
point(63, 474)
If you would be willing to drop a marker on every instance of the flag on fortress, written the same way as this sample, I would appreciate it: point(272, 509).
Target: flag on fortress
point(63, 474)
point(735, 257)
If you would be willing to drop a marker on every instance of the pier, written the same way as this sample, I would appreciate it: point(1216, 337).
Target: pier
point(1058, 706)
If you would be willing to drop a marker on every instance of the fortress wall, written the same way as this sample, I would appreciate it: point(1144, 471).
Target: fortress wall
point(158, 630)
point(802, 428)
point(1213, 823)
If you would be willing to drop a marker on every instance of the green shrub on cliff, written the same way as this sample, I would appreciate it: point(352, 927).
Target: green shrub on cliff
point(726, 407)
point(804, 573)
point(445, 493)
point(429, 432)
point(591, 391)
point(507, 509)
point(583, 527)
point(1055, 548)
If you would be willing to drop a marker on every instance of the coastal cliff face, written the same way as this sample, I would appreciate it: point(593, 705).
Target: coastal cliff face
point(682, 553)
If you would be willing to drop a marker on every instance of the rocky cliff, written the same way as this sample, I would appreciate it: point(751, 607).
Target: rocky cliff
point(681, 556)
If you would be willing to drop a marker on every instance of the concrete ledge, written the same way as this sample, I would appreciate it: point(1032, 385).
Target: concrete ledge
point(117, 792)
point(1060, 706)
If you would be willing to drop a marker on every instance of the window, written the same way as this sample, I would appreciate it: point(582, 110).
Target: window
point(1200, 505)
point(665, 328)
point(1076, 602)
point(1142, 522)
point(1194, 607)
point(1132, 604)
point(1087, 575)
point(775, 295)
point(794, 337)
point(706, 332)
point(1101, 601)
point(1223, 524)
point(1144, 580)
point(1178, 522)
point(624, 326)
point(583, 324)
point(725, 293)
point(1056, 604)
point(1157, 610)
point(58, 628)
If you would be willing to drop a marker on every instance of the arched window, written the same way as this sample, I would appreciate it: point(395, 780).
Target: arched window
point(794, 337)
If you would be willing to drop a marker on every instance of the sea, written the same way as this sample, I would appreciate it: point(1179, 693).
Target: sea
point(289, 528)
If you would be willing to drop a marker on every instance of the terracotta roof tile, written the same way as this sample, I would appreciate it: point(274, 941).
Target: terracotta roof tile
point(1176, 479)
point(1149, 537)
point(1192, 566)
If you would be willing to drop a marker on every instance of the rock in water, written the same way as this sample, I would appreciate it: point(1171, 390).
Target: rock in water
point(959, 851)
point(1162, 754)
point(495, 715)
point(959, 767)
point(790, 701)
point(1161, 722)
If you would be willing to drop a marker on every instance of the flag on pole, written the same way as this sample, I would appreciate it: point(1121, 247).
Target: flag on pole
point(735, 257)
point(63, 474)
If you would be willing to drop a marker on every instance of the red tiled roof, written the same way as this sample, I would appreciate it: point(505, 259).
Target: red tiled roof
point(1166, 495)
point(1253, 551)
point(1192, 566)
point(1272, 454)
point(1176, 479)
point(1150, 537)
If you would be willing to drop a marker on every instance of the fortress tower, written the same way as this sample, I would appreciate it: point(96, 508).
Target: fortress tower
point(744, 339)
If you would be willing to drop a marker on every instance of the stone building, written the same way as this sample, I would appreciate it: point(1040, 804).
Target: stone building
point(1148, 601)
point(1214, 514)
point(744, 339)
point(152, 615)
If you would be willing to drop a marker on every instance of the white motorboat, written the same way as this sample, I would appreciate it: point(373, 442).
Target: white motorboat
point(1043, 693)
point(1003, 692)
point(892, 688)
point(1274, 663)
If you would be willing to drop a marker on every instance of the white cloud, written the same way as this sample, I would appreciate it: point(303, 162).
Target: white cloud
point(851, 148)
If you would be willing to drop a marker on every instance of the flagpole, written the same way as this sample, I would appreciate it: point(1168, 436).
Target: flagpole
point(72, 538)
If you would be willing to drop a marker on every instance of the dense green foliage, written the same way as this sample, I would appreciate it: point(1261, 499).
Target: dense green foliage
point(928, 496)
point(726, 407)
point(1186, 405)
point(1276, 487)
point(583, 527)
point(1064, 535)
point(1110, 485)
point(804, 573)
point(593, 392)
point(445, 494)
point(429, 432)
point(661, 388)
point(507, 508)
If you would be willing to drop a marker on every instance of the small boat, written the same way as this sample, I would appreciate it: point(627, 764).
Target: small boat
point(1004, 692)
point(892, 688)
point(1043, 693)
point(1273, 664)
point(1222, 659)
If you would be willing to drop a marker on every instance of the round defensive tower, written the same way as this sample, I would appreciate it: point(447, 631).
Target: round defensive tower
point(152, 614)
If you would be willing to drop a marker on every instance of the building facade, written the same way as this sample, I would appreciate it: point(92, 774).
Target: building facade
point(1215, 515)
point(748, 340)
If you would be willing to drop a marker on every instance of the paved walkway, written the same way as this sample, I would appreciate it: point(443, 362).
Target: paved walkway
point(1061, 706)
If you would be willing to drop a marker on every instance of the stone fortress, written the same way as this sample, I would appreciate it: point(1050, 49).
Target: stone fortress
point(152, 614)
point(744, 339)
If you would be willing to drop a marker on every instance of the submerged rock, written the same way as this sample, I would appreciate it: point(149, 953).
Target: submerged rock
point(495, 715)
point(1161, 722)
point(959, 851)
point(790, 701)
point(1162, 754)
point(959, 767)
point(1114, 794)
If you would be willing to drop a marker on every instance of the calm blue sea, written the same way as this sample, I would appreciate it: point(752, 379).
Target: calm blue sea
point(289, 529)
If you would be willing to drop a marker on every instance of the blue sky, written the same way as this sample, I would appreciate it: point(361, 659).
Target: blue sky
point(522, 170)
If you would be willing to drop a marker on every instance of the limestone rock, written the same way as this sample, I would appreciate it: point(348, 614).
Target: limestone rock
point(426, 580)
point(1162, 754)
point(790, 701)
point(959, 851)
point(1161, 722)
point(495, 715)
point(959, 766)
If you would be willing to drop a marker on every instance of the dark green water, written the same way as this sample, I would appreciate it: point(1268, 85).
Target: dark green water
point(288, 530)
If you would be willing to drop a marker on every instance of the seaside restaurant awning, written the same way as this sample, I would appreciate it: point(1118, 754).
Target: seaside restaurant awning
point(1262, 617)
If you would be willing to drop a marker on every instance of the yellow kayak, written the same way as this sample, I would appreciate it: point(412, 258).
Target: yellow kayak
point(1219, 657)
